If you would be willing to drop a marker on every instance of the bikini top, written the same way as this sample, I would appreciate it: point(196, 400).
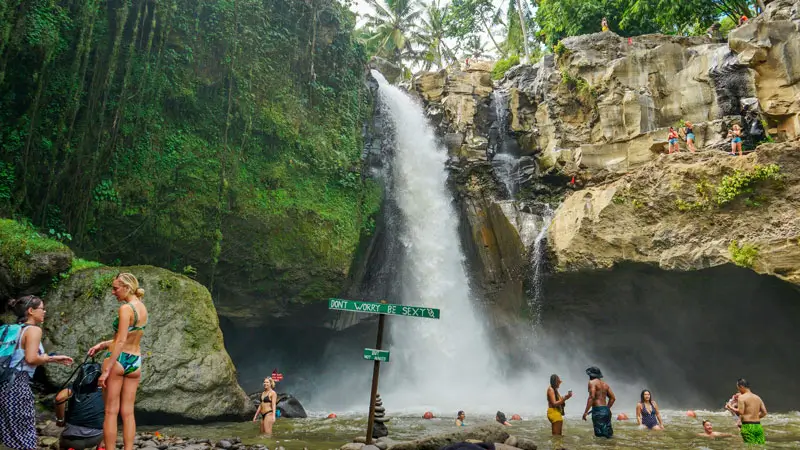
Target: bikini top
point(133, 327)
point(689, 130)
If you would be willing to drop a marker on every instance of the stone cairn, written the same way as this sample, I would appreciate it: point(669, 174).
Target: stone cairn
point(380, 430)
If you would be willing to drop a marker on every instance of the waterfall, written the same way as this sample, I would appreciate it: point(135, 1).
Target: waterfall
point(429, 357)
point(503, 147)
point(537, 258)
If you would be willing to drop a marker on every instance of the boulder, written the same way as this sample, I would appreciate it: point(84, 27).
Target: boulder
point(483, 433)
point(352, 446)
point(392, 72)
point(28, 260)
point(186, 374)
point(290, 407)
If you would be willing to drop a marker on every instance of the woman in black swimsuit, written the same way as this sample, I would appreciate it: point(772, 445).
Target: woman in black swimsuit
point(647, 413)
point(267, 408)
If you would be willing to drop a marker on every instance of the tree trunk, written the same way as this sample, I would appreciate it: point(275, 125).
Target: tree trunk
point(524, 32)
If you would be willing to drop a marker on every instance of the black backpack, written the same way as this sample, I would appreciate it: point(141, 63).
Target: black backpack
point(85, 406)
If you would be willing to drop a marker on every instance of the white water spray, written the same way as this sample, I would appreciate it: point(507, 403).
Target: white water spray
point(430, 357)
point(537, 257)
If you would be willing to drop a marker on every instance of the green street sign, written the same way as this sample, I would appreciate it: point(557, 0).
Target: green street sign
point(376, 355)
point(383, 308)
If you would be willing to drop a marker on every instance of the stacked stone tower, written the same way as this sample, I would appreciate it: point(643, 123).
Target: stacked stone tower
point(380, 430)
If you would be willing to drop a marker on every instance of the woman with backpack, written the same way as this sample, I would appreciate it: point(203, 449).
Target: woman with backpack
point(17, 410)
point(123, 359)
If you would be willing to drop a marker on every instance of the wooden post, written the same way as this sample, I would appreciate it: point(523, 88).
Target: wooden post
point(375, 373)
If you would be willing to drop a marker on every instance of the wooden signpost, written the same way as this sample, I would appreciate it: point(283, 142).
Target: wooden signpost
point(377, 354)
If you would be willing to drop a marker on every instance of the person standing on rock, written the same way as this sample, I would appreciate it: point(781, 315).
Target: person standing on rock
point(736, 139)
point(688, 131)
point(672, 138)
point(555, 405)
point(268, 407)
point(604, 24)
point(121, 371)
point(599, 391)
point(17, 407)
point(751, 410)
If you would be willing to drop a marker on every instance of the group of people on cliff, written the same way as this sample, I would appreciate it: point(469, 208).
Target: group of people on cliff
point(747, 407)
point(674, 136)
point(90, 407)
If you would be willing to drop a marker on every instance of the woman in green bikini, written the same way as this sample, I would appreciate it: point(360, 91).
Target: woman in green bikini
point(121, 368)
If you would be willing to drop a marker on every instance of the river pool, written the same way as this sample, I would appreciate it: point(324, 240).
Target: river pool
point(319, 433)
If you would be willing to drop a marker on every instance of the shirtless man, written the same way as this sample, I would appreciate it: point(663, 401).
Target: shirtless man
point(750, 410)
point(708, 431)
point(599, 390)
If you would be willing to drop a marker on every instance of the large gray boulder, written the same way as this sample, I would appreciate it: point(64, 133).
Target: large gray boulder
point(186, 376)
point(483, 433)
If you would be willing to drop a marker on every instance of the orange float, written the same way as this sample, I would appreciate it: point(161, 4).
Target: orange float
point(691, 413)
point(427, 415)
point(622, 416)
point(516, 417)
point(331, 416)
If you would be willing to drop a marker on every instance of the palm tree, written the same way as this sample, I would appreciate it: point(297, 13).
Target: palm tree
point(431, 34)
point(392, 26)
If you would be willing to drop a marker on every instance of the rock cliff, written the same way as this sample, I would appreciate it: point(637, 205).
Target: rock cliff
point(598, 110)
point(668, 214)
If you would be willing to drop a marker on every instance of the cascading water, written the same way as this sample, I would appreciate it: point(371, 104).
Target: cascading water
point(537, 258)
point(428, 356)
point(503, 148)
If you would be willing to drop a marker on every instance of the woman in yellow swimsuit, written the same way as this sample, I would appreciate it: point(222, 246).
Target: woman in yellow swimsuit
point(555, 405)
point(268, 407)
point(122, 366)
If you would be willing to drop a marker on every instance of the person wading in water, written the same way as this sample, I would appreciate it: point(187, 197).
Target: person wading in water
point(268, 407)
point(555, 405)
point(650, 418)
point(751, 410)
point(599, 391)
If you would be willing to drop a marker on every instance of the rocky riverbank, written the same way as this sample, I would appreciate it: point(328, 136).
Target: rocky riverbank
point(492, 433)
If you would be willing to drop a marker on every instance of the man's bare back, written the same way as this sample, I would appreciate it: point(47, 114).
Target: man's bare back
point(751, 407)
point(599, 391)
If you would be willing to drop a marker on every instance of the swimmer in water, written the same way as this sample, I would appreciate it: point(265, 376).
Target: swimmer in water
point(501, 419)
point(647, 413)
point(751, 409)
point(599, 391)
point(709, 432)
point(731, 406)
point(460, 419)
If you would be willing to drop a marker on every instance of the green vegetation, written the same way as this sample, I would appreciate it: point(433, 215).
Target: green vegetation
point(740, 184)
point(743, 255)
point(578, 85)
point(557, 19)
point(81, 264)
point(501, 67)
point(179, 133)
point(743, 182)
point(20, 243)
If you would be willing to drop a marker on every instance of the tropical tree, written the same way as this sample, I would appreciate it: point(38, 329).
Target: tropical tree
point(431, 37)
point(472, 17)
point(391, 27)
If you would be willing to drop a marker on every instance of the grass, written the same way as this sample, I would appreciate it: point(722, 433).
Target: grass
point(740, 184)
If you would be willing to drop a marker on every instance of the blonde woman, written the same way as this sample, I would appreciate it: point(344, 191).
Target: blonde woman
point(122, 366)
point(268, 407)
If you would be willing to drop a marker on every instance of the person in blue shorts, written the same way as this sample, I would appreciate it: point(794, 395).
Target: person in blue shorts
point(689, 133)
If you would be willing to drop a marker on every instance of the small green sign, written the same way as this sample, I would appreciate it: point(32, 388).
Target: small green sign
point(383, 308)
point(376, 355)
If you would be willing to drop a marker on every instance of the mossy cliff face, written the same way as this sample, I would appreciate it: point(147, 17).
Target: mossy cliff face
point(225, 136)
point(186, 373)
point(687, 212)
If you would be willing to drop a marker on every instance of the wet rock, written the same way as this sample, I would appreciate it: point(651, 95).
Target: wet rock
point(370, 447)
point(522, 443)
point(483, 433)
point(505, 447)
point(290, 407)
point(48, 442)
point(352, 446)
point(48, 428)
point(224, 444)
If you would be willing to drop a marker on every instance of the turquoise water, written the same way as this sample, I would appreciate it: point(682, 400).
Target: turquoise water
point(318, 433)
